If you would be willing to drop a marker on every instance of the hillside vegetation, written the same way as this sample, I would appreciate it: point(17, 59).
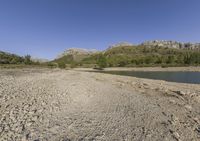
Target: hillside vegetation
point(120, 56)
point(7, 58)
point(138, 56)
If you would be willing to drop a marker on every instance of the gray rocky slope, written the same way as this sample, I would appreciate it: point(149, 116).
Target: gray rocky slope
point(172, 44)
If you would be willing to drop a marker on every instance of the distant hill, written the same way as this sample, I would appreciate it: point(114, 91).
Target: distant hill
point(39, 60)
point(77, 51)
point(145, 54)
point(74, 55)
point(8, 58)
point(149, 53)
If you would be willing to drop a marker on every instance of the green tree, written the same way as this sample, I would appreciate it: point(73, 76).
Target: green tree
point(27, 59)
point(73, 64)
point(102, 62)
point(187, 58)
point(61, 65)
point(158, 60)
point(122, 63)
point(170, 59)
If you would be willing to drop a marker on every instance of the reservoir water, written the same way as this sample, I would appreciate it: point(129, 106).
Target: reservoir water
point(182, 77)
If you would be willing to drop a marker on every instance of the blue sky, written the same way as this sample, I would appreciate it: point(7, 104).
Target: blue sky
point(45, 28)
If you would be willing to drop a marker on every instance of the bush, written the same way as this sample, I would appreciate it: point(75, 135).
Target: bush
point(61, 65)
point(27, 60)
point(51, 65)
point(73, 65)
point(164, 66)
point(102, 62)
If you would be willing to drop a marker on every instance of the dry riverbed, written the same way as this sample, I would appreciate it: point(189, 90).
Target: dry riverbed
point(64, 105)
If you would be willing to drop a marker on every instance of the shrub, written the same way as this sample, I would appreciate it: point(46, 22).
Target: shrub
point(61, 65)
point(73, 65)
point(102, 62)
point(51, 65)
point(27, 60)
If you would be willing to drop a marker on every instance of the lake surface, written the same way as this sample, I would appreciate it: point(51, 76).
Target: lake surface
point(181, 77)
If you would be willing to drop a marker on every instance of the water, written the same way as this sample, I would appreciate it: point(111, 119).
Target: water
point(182, 77)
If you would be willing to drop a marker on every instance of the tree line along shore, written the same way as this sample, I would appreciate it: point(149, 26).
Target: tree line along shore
point(122, 56)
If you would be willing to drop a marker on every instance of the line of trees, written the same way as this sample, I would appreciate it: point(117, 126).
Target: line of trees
point(118, 57)
point(144, 56)
point(6, 58)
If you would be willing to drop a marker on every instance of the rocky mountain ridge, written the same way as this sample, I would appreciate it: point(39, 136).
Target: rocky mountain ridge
point(153, 43)
point(161, 43)
point(120, 44)
point(77, 51)
point(171, 44)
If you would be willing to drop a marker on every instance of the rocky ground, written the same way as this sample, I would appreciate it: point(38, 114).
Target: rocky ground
point(64, 105)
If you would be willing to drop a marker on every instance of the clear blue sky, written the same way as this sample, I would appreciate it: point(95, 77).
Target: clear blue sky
point(44, 28)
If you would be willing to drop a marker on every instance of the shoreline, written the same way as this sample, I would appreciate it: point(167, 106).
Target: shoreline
point(192, 69)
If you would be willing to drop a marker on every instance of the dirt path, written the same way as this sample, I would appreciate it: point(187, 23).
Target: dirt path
point(73, 105)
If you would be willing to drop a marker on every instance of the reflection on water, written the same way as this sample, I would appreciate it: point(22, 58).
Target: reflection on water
point(183, 77)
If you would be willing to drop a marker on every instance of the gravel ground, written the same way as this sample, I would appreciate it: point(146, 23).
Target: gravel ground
point(66, 105)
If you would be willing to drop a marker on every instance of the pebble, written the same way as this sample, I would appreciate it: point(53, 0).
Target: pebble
point(188, 107)
point(172, 101)
point(1, 129)
point(196, 120)
point(174, 119)
point(24, 138)
point(35, 118)
point(176, 135)
point(198, 99)
point(29, 124)
point(198, 129)
point(182, 93)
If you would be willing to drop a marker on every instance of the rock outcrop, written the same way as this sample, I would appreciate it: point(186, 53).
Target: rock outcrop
point(121, 44)
point(161, 43)
point(172, 44)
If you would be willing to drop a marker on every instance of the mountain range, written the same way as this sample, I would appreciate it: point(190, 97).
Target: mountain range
point(127, 54)
point(124, 54)
point(154, 43)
